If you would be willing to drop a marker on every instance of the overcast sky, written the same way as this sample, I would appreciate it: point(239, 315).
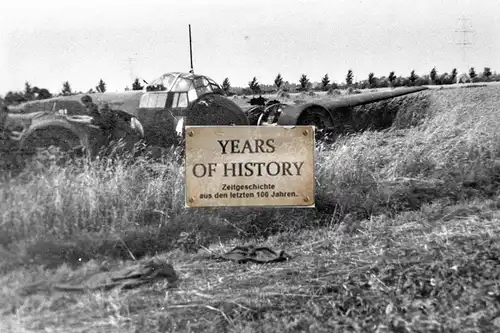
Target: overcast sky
point(49, 42)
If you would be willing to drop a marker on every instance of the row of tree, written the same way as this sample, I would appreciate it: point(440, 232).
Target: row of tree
point(392, 80)
point(304, 84)
point(35, 93)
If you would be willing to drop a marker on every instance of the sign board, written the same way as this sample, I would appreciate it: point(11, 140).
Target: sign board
point(249, 166)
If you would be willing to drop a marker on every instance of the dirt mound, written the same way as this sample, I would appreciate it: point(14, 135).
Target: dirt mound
point(400, 112)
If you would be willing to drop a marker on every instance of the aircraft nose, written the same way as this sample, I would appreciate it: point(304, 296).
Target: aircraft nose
point(215, 110)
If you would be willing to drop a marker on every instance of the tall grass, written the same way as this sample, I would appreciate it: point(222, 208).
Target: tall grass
point(444, 149)
point(453, 153)
point(125, 207)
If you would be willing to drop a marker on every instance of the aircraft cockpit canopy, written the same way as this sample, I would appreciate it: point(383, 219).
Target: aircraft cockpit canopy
point(183, 87)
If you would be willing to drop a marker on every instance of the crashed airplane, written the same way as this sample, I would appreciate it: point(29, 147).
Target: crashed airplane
point(158, 113)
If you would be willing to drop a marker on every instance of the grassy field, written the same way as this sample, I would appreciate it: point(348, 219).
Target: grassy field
point(404, 237)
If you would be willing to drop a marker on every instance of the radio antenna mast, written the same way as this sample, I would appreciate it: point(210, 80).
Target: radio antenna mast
point(190, 50)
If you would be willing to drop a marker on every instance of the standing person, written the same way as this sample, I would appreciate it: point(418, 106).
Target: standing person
point(102, 116)
point(90, 107)
point(114, 124)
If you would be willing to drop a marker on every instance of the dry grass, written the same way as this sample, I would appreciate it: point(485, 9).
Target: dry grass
point(431, 270)
point(417, 250)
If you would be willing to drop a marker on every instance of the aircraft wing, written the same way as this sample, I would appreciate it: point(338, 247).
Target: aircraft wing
point(126, 101)
point(291, 113)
